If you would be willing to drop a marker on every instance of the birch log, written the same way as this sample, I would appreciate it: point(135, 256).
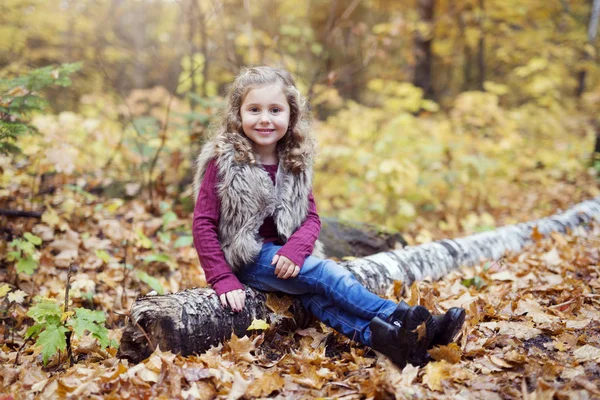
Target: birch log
point(193, 320)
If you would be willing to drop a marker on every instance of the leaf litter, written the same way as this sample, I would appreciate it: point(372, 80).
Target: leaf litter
point(532, 328)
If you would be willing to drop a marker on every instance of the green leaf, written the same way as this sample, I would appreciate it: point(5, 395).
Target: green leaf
point(45, 311)
point(33, 331)
point(87, 320)
point(184, 241)
point(163, 258)
point(103, 255)
point(144, 241)
point(26, 265)
point(168, 218)
point(165, 237)
point(476, 281)
point(52, 339)
point(32, 238)
point(150, 281)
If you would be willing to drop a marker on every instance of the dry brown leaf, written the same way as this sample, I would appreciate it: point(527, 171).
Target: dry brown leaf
point(451, 353)
point(241, 348)
point(280, 305)
point(535, 311)
point(421, 331)
point(587, 353)
point(536, 236)
point(239, 386)
point(265, 385)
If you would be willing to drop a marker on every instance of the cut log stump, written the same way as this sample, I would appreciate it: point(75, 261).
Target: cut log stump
point(193, 320)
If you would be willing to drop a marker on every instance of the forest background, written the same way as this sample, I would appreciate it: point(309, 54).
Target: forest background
point(434, 118)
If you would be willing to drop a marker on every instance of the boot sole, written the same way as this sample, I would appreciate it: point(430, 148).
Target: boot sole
point(417, 347)
point(457, 319)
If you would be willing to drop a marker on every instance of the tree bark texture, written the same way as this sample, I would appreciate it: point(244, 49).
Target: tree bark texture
point(192, 321)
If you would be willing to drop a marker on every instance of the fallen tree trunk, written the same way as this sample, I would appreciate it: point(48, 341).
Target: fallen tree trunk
point(192, 321)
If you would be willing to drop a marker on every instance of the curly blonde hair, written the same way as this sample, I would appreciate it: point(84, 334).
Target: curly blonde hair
point(296, 148)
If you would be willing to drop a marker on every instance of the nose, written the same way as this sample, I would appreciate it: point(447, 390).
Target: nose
point(264, 118)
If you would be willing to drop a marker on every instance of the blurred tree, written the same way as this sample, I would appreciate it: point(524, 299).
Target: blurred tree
point(592, 32)
point(423, 40)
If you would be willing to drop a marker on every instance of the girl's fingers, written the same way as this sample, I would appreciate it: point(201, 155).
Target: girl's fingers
point(296, 271)
point(231, 297)
point(243, 298)
point(288, 272)
point(275, 258)
point(282, 270)
point(223, 300)
point(280, 266)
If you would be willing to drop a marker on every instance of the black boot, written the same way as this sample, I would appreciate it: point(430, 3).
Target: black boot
point(448, 325)
point(418, 337)
point(388, 339)
point(401, 337)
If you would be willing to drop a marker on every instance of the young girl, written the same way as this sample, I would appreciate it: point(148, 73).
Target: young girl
point(256, 223)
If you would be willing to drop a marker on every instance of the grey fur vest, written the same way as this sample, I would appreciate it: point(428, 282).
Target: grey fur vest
point(248, 196)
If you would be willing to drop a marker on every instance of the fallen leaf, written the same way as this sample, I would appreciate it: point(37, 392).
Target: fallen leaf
point(421, 331)
point(552, 258)
point(18, 296)
point(587, 353)
point(535, 311)
point(4, 289)
point(435, 374)
point(258, 325)
point(520, 330)
point(279, 304)
point(239, 386)
point(451, 353)
point(241, 348)
point(265, 385)
point(577, 324)
point(536, 235)
point(504, 276)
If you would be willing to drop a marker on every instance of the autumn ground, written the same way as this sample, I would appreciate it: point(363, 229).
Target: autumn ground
point(532, 331)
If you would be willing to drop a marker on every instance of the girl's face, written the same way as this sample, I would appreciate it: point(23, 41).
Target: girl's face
point(265, 115)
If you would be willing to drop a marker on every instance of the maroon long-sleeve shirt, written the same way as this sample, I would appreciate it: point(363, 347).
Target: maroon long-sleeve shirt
point(205, 229)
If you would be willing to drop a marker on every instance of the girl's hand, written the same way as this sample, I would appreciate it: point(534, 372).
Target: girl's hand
point(236, 299)
point(285, 268)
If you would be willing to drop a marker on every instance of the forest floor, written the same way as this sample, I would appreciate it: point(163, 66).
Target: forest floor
point(532, 328)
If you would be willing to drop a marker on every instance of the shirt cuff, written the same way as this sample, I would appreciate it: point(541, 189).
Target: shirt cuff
point(227, 284)
point(296, 258)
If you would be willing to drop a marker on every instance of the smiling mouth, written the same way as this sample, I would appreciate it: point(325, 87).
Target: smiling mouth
point(265, 131)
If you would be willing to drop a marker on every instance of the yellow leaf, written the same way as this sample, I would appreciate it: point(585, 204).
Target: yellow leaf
point(435, 373)
point(66, 315)
point(4, 289)
point(258, 325)
point(50, 217)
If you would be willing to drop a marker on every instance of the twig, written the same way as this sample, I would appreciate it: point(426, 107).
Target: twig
point(145, 334)
point(20, 213)
point(66, 308)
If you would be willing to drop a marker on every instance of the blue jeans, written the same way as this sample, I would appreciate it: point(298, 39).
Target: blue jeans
point(326, 289)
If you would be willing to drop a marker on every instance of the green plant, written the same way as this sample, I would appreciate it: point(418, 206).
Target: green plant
point(19, 97)
point(53, 325)
point(25, 253)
